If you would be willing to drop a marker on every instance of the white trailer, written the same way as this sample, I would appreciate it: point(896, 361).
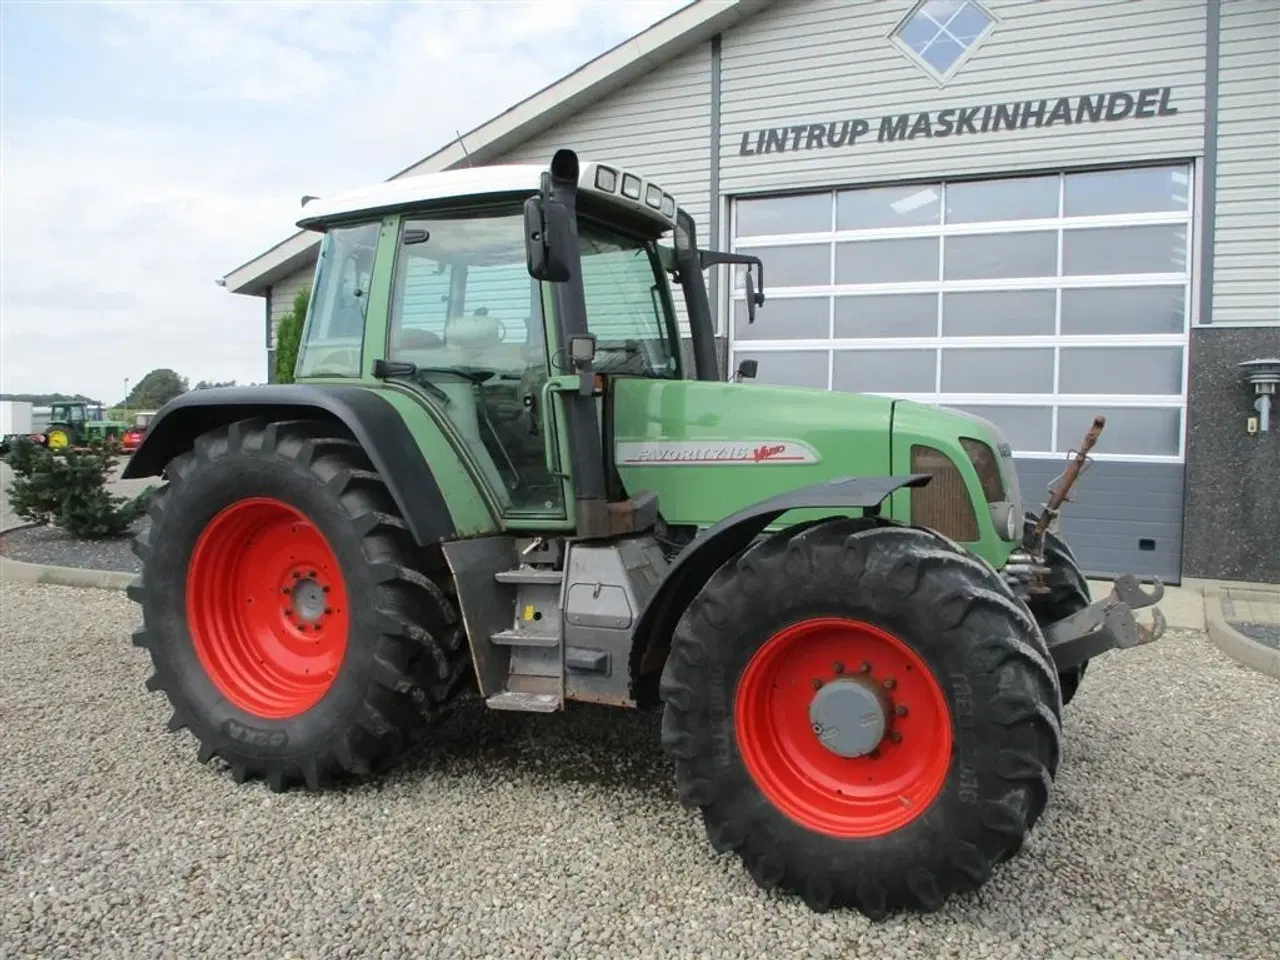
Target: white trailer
point(15, 417)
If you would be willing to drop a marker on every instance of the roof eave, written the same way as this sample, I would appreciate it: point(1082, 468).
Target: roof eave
point(593, 81)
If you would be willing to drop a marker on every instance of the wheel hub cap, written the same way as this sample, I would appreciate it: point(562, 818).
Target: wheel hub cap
point(308, 600)
point(848, 718)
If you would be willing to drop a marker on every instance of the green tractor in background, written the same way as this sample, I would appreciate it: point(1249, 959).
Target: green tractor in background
point(79, 424)
point(494, 472)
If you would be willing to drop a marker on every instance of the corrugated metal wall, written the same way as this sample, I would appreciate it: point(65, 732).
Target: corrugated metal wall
point(827, 61)
point(1246, 281)
point(660, 126)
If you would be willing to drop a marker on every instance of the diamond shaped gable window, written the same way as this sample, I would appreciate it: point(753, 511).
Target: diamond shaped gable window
point(939, 35)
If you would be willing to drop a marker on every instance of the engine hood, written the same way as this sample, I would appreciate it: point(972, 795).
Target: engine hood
point(709, 448)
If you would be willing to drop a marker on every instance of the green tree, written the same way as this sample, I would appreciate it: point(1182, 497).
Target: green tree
point(156, 389)
point(69, 489)
point(289, 337)
point(213, 384)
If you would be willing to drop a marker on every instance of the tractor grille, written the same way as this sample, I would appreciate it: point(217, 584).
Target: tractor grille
point(943, 504)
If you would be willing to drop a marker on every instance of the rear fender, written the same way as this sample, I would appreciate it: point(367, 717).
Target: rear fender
point(369, 418)
point(716, 545)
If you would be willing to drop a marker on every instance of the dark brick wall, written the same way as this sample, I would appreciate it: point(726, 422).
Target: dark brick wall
point(1232, 526)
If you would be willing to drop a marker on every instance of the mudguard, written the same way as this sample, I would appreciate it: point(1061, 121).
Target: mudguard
point(715, 545)
point(372, 421)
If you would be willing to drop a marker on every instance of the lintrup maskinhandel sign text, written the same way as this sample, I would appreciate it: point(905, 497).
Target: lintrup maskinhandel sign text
point(961, 121)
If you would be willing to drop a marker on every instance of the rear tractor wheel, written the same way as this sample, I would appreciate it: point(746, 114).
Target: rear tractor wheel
point(863, 714)
point(289, 616)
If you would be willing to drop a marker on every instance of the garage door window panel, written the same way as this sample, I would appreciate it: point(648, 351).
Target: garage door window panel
point(999, 313)
point(1001, 256)
point(779, 216)
point(1025, 427)
point(1097, 252)
point(789, 368)
point(1144, 371)
point(987, 371)
point(865, 262)
point(886, 315)
point(915, 205)
point(1146, 431)
point(1135, 191)
point(885, 371)
point(784, 318)
point(1016, 198)
point(1094, 311)
point(797, 265)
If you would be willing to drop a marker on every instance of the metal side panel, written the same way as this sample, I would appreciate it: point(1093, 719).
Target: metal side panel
point(606, 588)
point(487, 605)
point(1123, 518)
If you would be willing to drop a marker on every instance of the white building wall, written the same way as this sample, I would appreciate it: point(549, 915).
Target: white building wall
point(1246, 270)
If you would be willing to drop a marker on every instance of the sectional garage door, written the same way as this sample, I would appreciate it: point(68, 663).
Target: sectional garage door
point(1034, 301)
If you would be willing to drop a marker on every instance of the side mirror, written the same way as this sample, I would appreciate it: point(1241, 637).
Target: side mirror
point(746, 369)
point(546, 235)
point(751, 297)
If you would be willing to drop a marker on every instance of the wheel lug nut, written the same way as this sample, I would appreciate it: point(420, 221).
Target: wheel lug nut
point(865, 666)
point(312, 574)
point(890, 683)
point(900, 710)
point(895, 736)
point(325, 589)
point(817, 684)
point(284, 590)
point(297, 575)
point(838, 667)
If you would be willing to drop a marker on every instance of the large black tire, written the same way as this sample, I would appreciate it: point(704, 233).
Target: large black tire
point(404, 655)
point(1068, 592)
point(985, 655)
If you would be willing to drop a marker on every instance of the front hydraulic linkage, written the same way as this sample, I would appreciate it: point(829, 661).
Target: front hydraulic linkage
point(1106, 625)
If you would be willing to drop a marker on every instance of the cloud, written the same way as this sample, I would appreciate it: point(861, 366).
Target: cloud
point(149, 148)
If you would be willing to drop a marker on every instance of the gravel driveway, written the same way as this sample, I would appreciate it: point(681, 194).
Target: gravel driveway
point(528, 836)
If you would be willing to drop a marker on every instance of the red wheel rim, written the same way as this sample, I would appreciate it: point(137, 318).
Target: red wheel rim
point(841, 796)
point(267, 608)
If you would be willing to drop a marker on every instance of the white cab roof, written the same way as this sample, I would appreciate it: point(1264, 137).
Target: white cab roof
point(467, 182)
point(472, 183)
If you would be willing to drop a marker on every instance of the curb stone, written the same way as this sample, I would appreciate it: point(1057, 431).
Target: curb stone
point(1244, 650)
point(18, 571)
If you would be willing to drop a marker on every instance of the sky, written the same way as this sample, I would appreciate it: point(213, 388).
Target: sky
point(148, 148)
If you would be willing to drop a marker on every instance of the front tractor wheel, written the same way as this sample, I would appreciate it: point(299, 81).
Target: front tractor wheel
point(1068, 594)
point(863, 714)
point(294, 626)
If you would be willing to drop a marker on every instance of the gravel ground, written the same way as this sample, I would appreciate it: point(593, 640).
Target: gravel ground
point(529, 836)
point(56, 546)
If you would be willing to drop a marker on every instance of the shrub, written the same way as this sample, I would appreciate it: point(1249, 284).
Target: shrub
point(289, 337)
point(69, 489)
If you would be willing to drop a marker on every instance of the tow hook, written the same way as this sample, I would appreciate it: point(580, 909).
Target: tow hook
point(1108, 624)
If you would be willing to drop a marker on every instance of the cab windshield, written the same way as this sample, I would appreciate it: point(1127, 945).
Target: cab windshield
point(463, 300)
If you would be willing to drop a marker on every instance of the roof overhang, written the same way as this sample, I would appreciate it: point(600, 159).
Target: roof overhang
point(625, 63)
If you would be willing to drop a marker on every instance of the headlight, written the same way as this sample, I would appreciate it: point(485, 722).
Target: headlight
point(1006, 518)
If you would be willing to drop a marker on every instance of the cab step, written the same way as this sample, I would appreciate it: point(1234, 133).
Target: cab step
point(530, 575)
point(521, 638)
point(525, 702)
point(529, 694)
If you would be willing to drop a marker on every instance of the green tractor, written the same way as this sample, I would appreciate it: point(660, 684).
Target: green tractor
point(78, 424)
point(496, 473)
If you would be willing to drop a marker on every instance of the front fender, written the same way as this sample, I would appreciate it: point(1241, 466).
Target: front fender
point(370, 419)
point(718, 543)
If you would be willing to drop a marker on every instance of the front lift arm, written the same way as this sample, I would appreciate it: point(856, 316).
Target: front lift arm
point(1108, 624)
